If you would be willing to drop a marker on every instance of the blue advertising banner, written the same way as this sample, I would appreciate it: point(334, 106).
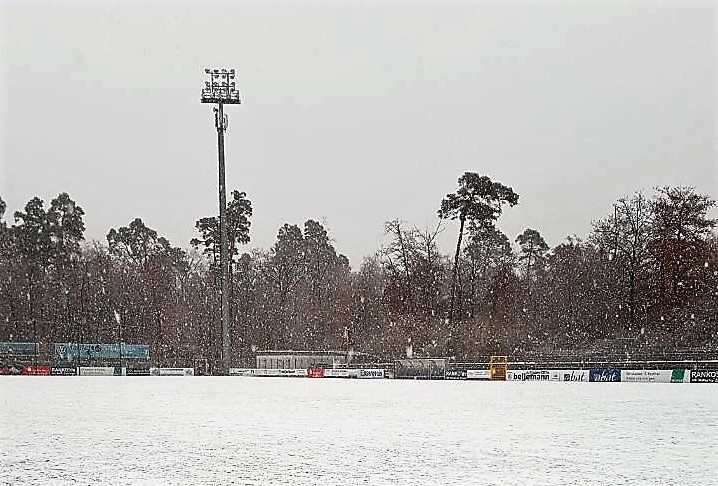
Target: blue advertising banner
point(604, 374)
point(76, 351)
point(18, 349)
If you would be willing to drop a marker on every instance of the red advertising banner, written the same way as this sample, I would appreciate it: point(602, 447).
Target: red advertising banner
point(36, 370)
point(315, 373)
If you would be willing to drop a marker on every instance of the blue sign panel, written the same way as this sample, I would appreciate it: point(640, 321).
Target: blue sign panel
point(85, 351)
point(604, 374)
point(18, 349)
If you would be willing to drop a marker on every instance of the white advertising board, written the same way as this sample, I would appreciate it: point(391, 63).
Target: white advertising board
point(172, 371)
point(569, 375)
point(478, 374)
point(371, 373)
point(340, 373)
point(96, 371)
point(646, 376)
point(528, 375)
point(241, 372)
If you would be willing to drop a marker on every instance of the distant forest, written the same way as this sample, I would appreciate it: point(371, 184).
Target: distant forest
point(647, 273)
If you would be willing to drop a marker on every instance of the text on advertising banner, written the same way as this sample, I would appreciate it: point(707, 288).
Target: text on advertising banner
point(63, 371)
point(455, 374)
point(704, 376)
point(569, 375)
point(528, 375)
point(371, 373)
point(478, 374)
point(96, 371)
point(315, 372)
point(646, 376)
point(604, 374)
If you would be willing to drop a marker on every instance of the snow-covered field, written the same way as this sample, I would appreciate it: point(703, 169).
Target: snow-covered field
point(229, 430)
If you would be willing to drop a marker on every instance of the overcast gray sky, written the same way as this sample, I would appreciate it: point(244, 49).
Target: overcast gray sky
point(356, 113)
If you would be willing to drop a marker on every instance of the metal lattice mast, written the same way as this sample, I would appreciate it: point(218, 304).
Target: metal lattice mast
point(221, 90)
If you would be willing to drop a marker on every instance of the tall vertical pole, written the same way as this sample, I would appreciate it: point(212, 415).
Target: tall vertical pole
point(223, 240)
point(221, 89)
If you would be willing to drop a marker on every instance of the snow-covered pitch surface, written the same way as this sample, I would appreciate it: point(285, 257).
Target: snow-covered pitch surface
point(228, 430)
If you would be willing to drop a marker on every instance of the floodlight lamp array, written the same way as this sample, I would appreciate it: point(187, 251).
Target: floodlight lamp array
point(221, 87)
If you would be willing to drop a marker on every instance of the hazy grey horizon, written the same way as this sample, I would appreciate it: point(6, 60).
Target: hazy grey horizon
point(357, 113)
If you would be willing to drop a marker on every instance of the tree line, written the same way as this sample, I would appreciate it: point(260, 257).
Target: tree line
point(647, 272)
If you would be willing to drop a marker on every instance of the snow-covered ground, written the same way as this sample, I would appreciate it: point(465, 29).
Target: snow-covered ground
point(229, 430)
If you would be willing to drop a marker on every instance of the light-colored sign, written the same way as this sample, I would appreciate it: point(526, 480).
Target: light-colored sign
point(569, 375)
point(371, 373)
point(478, 374)
point(528, 375)
point(340, 373)
point(646, 376)
point(96, 371)
point(172, 371)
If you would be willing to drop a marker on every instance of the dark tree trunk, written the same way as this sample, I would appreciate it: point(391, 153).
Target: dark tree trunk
point(455, 272)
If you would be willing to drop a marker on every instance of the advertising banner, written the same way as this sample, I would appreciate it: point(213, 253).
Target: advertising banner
point(680, 376)
point(315, 372)
point(298, 372)
point(76, 351)
point(704, 376)
point(18, 349)
point(137, 371)
point(569, 375)
point(241, 372)
point(604, 374)
point(646, 376)
point(455, 374)
point(36, 370)
point(371, 373)
point(478, 374)
point(340, 373)
point(96, 371)
point(528, 375)
point(421, 368)
point(172, 371)
point(63, 371)
point(10, 370)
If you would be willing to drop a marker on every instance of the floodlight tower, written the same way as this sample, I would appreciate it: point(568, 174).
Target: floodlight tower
point(221, 89)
